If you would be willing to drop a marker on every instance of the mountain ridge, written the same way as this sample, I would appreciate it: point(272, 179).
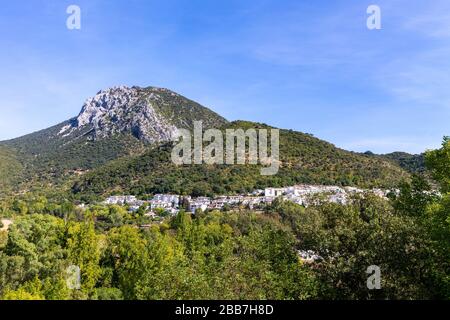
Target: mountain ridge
point(304, 159)
point(122, 123)
point(116, 122)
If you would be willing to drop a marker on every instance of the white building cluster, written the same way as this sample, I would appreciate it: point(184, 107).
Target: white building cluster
point(301, 194)
point(124, 200)
point(221, 202)
point(168, 202)
point(306, 194)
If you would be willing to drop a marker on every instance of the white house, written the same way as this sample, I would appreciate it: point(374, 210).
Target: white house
point(274, 192)
point(121, 200)
point(173, 198)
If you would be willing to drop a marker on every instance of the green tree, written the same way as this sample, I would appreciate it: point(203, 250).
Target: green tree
point(84, 251)
point(414, 197)
point(438, 162)
point(31, 290)
point(438, 218)
point(127, 253)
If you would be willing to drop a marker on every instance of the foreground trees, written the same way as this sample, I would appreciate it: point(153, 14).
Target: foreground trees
point(194, 259)
point(236, 255)
point(233, 255)
point(349, 239)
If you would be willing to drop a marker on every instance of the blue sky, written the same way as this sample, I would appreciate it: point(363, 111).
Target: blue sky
point(308, 65)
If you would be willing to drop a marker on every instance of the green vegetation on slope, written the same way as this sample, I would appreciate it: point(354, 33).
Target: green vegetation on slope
point(414, 163)
point(50, 158)
point(182, 112)
point(305, 159)
point(235, 255)
point(10, 169)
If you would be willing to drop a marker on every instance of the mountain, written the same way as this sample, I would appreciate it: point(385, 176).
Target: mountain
point(304, 159)
point(151, 115)
point(116, 122)
point(121, 142)
point(414, 163)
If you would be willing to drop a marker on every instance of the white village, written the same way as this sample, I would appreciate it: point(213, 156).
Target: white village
point(304, 195)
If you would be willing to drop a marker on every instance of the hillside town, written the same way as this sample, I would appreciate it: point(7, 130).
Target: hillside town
point(304, 195)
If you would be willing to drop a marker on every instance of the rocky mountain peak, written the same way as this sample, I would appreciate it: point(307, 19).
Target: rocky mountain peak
point(124, 109)
point(106, 101)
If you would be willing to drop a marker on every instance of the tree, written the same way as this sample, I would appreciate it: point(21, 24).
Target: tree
point(414, 197)
point(438, 218)
point(438, 162)
point(83, 251)
point(127, 254)
point(349, 238)
point(109, 294)
point(31, 290)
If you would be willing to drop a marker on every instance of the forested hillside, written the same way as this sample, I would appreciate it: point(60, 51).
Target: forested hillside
point(117, 122)
point(304, 159)
point(414, 163)
point(10, 169)
point(120, 142)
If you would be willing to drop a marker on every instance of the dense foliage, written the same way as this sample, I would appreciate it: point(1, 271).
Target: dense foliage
point(304, 159)
point(10, 169)
point(122, 163)
point(53, 160)
point(233, 255)
point(53, 156)
point(414, 163)
point(191, 259)
point(236, 254)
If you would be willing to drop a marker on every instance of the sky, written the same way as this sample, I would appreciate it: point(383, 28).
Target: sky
point(307, 65)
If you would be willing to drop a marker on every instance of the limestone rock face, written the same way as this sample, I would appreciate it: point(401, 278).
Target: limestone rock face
point(116, 122)
point(124, 110)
